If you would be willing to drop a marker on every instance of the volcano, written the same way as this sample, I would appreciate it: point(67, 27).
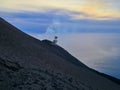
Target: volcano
point(27, 63)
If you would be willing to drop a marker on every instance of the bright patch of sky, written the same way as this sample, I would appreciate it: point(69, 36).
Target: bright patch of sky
point(95, 9)
point(37, 16)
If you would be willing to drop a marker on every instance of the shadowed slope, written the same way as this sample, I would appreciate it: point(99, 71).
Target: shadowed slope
point(62, 53)
point(29, 64)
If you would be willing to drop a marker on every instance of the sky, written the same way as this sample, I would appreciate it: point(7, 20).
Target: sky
point(88, 29)
point(36, 16)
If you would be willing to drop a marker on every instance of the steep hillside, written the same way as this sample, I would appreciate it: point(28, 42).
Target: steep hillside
point(30, 64)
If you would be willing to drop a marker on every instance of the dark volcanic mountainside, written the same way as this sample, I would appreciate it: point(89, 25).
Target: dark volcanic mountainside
point(29, 64)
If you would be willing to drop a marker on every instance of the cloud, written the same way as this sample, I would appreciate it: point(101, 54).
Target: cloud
point(90, 46)
point(59, 21)
point(94, 9)
point(61, 26)
point(36, 22)
point(98, 51)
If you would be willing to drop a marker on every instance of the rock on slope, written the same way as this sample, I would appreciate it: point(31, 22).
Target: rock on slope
point(29, 64)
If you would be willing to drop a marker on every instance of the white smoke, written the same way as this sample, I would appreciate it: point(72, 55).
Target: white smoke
point(54, 27)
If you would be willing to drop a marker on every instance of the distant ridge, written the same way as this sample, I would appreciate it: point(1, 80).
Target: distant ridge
point(27, 63)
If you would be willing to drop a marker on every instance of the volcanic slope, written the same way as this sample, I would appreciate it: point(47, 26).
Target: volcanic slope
point(27, 63)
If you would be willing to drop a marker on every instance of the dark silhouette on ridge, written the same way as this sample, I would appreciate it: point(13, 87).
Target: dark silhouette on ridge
point(55, 40)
